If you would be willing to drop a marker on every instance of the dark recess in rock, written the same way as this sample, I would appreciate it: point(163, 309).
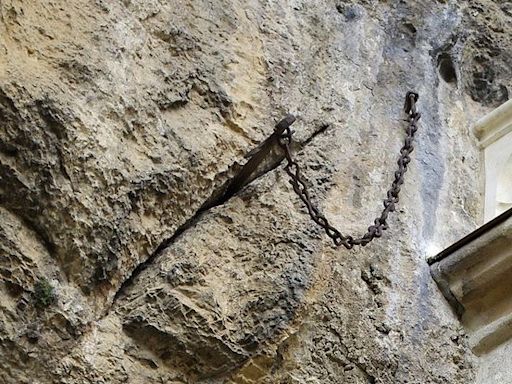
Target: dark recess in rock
point(446, 68)
point(410, 27)
point(485, 89)
point(350, 11)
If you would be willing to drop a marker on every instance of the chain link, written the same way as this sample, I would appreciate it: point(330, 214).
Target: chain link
point(380, 223)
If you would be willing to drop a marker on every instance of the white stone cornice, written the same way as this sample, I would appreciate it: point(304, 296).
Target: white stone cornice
point(494, 125)
point(494, 132)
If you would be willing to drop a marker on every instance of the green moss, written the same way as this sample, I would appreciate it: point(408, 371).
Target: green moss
point(44, 294)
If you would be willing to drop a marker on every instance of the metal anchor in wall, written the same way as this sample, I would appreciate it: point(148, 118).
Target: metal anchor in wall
point(282, 136)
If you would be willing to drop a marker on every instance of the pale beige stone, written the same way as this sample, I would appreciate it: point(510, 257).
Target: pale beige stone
point(120, 121)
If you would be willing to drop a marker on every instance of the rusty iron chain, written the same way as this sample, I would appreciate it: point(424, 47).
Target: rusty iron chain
point(375, 230)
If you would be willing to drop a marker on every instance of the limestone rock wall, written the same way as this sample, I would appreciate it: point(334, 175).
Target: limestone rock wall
point(121, 121)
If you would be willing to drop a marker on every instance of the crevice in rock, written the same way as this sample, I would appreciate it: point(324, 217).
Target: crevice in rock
point(163, 245)
point(219, 197)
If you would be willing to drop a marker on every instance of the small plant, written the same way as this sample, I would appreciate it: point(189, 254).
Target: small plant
point(44, 293)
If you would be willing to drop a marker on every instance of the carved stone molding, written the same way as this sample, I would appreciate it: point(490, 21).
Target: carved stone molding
point(494, 133)
point(475, 276)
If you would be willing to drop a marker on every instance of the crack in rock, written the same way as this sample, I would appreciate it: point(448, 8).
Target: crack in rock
point(217, 198)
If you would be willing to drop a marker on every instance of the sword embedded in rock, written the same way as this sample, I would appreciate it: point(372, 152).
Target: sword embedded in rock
point(257, 155)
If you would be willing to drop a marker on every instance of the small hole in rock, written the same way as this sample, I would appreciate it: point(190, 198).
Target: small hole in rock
point(446, 68)
point(410, 27)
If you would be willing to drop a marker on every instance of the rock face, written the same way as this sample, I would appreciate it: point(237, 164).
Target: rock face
point(121, 123)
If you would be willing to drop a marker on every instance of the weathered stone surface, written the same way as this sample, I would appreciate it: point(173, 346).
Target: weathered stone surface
point(120, 120)
point(486, 54)
point(117, 125)
point(214, 300)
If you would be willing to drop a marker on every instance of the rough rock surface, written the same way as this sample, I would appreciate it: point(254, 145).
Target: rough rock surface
point(120, 121)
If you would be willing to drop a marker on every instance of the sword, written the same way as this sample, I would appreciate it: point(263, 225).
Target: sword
point(256, 156)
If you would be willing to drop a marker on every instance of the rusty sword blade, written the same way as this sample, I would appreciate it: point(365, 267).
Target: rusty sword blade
point(257, 155)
